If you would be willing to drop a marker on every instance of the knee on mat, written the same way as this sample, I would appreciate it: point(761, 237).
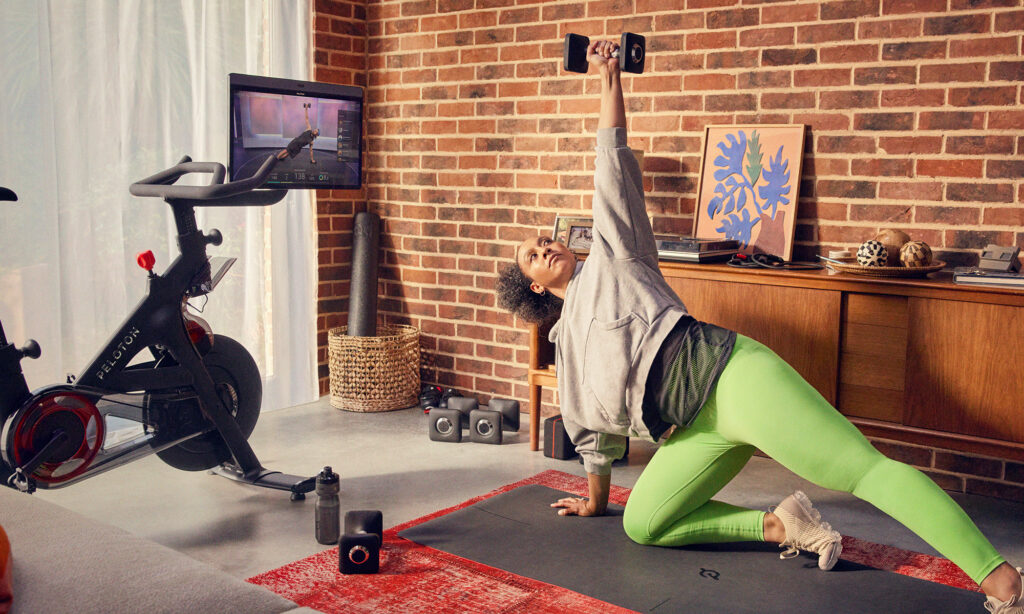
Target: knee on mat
point(637, 528)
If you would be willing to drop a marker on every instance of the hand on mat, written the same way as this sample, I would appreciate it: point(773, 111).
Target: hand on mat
point(575, 506)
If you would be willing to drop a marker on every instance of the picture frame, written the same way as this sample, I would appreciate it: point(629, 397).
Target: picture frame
point(575, 232)
point(749, 186)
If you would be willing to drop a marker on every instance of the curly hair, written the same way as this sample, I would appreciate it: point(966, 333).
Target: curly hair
point(515, 295)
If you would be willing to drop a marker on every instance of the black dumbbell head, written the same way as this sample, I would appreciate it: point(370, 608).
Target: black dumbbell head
point(574, 53)
point(359, 553)
point(485, 426)
point(632, 52)
point(509, 410)
point(445, 425)
point(365, 521)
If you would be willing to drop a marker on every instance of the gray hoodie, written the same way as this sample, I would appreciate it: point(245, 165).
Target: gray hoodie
point(618, 311)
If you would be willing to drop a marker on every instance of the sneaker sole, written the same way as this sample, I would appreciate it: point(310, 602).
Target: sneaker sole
point(824, 563)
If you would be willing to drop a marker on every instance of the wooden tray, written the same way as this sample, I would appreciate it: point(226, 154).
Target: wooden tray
point(850, 265)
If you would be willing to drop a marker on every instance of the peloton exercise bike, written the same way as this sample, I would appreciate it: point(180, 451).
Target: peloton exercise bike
point(197, 399)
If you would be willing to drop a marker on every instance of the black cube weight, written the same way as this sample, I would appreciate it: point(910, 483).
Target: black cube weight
point(509, 413)
point(485, 426)
point(445, 425)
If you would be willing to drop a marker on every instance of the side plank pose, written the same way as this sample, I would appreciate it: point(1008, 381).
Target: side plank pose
point(632, 362)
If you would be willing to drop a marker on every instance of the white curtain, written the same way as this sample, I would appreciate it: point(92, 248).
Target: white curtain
point(97, 94)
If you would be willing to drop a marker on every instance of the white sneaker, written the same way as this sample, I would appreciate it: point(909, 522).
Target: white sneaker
point(806, 531)
point(1014, 606)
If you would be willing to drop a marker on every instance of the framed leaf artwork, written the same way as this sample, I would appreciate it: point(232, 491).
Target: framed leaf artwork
point(749, 186)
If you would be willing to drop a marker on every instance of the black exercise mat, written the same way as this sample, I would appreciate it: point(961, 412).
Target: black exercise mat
point(518, 532)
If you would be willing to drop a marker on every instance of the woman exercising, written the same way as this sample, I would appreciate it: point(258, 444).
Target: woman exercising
point(632, 362)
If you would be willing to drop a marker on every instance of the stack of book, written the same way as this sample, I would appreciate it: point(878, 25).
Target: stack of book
point(987, 277)
point(692, 249)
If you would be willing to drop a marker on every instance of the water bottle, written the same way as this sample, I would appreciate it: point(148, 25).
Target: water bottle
point(327, 508)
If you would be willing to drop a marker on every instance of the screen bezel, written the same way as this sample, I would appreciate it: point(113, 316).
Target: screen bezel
point(293, 87)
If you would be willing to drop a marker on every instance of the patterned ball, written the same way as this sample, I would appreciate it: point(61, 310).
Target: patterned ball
point(916, 254)
point(872, 253)
point(893, 240)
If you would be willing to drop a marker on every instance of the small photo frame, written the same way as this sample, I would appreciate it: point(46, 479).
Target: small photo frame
point(575, 232)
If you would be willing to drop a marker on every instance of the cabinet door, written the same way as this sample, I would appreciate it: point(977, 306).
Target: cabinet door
point(963, 368)
point(800, 325)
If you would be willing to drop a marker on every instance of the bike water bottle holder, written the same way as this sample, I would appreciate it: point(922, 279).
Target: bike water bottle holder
point(211, 275)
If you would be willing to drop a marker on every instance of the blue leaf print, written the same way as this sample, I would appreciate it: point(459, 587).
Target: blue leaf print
point(738, 226)
point(777, 176)
point(732, 160)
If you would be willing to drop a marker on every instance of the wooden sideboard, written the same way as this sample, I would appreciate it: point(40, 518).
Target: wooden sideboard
point(922, 361)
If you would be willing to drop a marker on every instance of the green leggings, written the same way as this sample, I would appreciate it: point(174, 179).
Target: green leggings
point(762, 402)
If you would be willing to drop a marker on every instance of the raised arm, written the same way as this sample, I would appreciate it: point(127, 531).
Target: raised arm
point(621, 227)
point(613, 109)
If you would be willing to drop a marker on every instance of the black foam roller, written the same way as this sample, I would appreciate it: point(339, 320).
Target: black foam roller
point(362, 301)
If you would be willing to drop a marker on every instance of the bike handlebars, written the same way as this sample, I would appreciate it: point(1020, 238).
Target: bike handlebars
point(217, 193)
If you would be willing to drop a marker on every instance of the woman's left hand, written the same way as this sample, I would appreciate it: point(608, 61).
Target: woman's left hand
point(575, 506)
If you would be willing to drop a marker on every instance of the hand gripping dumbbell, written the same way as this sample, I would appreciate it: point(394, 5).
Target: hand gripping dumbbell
point(359, 548)
point(633, 48)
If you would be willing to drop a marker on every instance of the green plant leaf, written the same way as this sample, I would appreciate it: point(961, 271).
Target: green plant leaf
point(754, 159)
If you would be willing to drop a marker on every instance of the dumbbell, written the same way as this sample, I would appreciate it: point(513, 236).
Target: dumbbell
point(485, 424)
point(359, 548)
point(574, 53)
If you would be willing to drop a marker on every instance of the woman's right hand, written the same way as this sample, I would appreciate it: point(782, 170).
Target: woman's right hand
point(599, 54)
point(576, 506)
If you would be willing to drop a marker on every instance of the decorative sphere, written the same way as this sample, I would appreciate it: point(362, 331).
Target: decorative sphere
point(893, 240)
point(872, 253)
point(916, 254)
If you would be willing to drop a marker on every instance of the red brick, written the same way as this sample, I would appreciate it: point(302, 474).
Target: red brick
point(790, 13)
point(1005, 169)
point(957, 24)
point(951, 120)
point(920, 50)
point(711, 81)
point(911, 190)
point(845, 144)
point(883, 167)
point(1010, 21)
point(912, 6)
point(983, 46)
point(824, 77)
point(767, 37)
point(761, 78)
point(874, 212)
point(896, 29)
point(949, 73)
point(849, 9)
point(950, 168)
point(1010, 120)
point(946, 481)
point(732, 59)
point(846, 54)
point(979, 145)
point(885, 75)
point(983, 96)
point(949, 216)
point(883, 121)
point(825, 33)
point(795, 100)
point(711, 40)
point(913, 97)
point(980, 192)
point(995, 489)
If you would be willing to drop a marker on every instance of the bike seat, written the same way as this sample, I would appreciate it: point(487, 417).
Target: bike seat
point(6, 194)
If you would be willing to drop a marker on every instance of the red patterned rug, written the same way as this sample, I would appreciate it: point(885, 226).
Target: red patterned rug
point(417, 579)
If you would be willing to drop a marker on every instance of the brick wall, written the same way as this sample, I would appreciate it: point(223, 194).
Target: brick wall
point(476, 138)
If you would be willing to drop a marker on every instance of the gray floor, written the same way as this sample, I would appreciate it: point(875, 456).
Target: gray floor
point(386, 462)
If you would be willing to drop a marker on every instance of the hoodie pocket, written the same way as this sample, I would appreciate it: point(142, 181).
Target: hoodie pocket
point(608, 360)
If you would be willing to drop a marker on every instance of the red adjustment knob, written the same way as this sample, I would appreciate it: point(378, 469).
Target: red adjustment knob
point(146, 260)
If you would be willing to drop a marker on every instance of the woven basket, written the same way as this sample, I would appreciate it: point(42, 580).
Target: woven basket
point(850, 265)
point(379, 373)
